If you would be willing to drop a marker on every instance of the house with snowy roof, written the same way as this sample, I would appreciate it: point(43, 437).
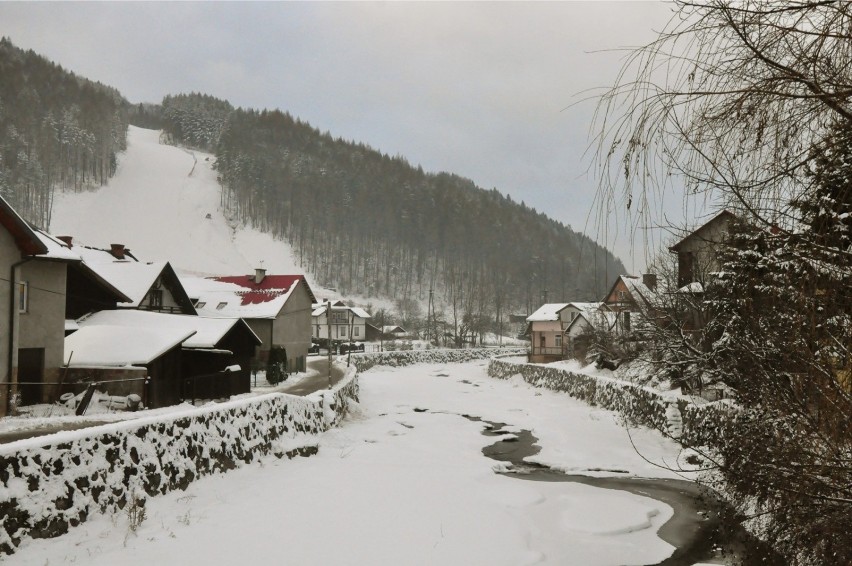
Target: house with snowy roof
point(33, 297)
point(149, 285)
point(634, 302)
point(125, 359)
point(583, 326)
point(697, 252)
point(215, 359)
point(545, 330)
point(345, 324)
point(278, 309)
point(547, 326)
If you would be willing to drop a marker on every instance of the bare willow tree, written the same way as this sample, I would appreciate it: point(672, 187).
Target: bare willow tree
point(749, 104)
point(727, 102)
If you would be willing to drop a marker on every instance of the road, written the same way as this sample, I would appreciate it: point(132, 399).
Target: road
point(315, 381)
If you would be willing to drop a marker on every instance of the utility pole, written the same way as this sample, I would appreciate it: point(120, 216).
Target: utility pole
point(328, 319)
point(429, 312)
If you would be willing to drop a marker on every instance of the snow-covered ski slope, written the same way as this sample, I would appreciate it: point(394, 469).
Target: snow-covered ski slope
point(158, 204)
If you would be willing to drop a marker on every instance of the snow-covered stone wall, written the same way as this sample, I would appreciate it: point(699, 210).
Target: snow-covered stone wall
point(409, 357)
point(52, 483)
point(676, 415)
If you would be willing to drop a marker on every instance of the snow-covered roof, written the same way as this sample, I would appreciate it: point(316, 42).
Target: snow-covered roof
point(638, 289)
point(603, 320)
point(695, 288)
point(240, 297)
point(207, 332)
point(547, 312)
point(319, 309)
point(361, 313)
point(109, 345)
point(587, 307)
point(56, 249)
point(133, 278)
point(391, 329)
point(94, 255)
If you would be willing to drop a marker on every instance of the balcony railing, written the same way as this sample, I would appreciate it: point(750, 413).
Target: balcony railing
point(539, 351)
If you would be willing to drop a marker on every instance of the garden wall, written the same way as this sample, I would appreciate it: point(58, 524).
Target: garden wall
point(52, 483)
point(637, 404)
point(409, 357)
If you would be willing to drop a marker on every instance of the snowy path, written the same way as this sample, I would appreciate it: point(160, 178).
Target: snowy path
point(404, 482)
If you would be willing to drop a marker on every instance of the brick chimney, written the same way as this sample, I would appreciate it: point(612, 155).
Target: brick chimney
point(117, 250)
point(650, 280)
point(66, 239)
point(259, 274)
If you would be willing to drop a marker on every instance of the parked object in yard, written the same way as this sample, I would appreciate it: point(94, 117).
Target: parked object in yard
point(351, 347)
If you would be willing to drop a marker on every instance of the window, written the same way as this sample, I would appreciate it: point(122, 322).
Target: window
point(626, 321)
point(23, 297)
point(357, 332)
point(221, 305)
point(200, 304)
point(338, 317)
point(558, 340)
point(156, 299)
point(343, 331)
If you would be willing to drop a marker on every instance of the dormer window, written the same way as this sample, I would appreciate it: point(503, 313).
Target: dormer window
point(221, 305)
point(200, 304)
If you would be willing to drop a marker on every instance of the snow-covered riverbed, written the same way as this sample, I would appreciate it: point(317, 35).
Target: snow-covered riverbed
point(404, 481)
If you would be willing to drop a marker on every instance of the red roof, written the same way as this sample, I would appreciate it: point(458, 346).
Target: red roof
point(271, 287)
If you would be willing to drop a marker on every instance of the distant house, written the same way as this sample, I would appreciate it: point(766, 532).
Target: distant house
point(276, 307)
point(372, 333)
point(697, 253)
point(633, 300)
point(216, 344)
point(577, 333)
point(347, 323)
point(545, 329)
point(150, 285)
point(32, 310)
point(393, 332)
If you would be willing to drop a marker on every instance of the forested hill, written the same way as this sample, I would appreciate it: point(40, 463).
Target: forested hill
point(360, 221)
point(57, 131)
point(371, 224)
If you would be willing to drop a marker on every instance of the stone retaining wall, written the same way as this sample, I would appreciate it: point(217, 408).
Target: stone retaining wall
point(637, 404)
point(409, 357)
point(52, 483)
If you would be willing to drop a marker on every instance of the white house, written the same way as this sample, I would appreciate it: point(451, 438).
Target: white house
point(347, 323)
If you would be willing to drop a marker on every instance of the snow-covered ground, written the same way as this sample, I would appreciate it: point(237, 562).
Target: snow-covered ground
point(403, 481)
point(158, 204)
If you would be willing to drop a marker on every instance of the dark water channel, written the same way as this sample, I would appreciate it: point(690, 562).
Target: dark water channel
point(694, 529)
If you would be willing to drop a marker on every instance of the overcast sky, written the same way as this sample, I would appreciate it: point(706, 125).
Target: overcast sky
point(484, 90)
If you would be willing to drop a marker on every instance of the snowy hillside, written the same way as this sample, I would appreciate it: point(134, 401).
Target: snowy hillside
point(158, 205)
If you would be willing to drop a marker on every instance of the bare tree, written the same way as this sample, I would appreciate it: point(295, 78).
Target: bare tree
point(727, 103)
point(750, 104)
